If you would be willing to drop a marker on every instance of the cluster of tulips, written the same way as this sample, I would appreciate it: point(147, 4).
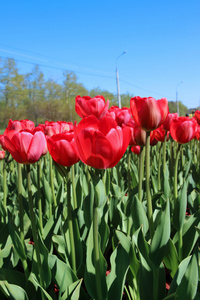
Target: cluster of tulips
point(102, 137)
point(144, 245)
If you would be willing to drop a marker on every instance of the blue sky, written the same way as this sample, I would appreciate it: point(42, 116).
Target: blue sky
point(162, 39)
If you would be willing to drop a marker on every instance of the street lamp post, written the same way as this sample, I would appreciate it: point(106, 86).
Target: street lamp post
point(117, 78)
point(177, 104)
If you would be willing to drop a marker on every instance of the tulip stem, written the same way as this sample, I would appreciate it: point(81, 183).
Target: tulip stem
point(148, 190)
point(159, 166)
point(5, 190)
point(39, 175)
point(73, 187)
point(141, 172)
point(164, 152)
point(52, 185)
point(21, 217)
point(70, 222)
point(176, 172)
point(34, 230)
point(96, 252)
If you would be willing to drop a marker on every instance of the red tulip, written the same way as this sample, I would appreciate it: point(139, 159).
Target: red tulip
point(51, 128)
point(149, 113)
point(62, 149)
point(138, 135)
point(167, 122)
point(160, 133)
point(2, 154)
point(100, 142)
point(122, 115)
point(19, 125)
point(183, 129)
point(86, 106)
point(2, 142)
point(135, 149)
point(197, 116)
point(25, 147)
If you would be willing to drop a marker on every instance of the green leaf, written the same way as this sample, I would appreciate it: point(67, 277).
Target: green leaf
point(90, 273)
point(190, 234)
point(180, 208)
point(185, 281)
point(33, 279)
point(62, 274)
point(119, 268)
point(18, 244)
point(12, 291)
point(161, 238)
point(171, 258)
point(188, 286)
point(73, 291)
point(139, 217)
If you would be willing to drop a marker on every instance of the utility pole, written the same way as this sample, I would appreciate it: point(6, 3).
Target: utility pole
point(117, 79)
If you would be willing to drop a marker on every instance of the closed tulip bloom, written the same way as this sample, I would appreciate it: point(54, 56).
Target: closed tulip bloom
point(197, 116)
point(51, 128)
point(62, 149)
point(135, 149)
point(138, 135)
point(2, 154)
point(183, 129)
point(160, 133)
point(101, 143)
point(122, 115)
point(86, 106)
point(169, 118)
point(149, 113)
point(20, 125)
point(25, 147)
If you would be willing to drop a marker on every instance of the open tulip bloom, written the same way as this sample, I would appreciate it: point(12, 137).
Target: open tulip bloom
point(183, 129)
point(101, 143)
point(86, 106)
point(149, 113)
point(62, 149)
point(25, 147)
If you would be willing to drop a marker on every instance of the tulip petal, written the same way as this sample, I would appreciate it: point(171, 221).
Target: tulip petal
point(36, 147)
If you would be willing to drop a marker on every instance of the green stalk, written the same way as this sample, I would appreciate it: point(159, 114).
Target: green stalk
point(70, 222)
point(155, 283)
point(51, 180)
point(164, 152)
point(5, 190)
point(159, 166)
point(180, 237)
point(39, 176)
point(21, 217)
point(73, 187)
point(96, 253)
point(129, 186)
point(148, 188)
point(176, 172)
point(141, 172)
point(34, 229)
point(129, 171)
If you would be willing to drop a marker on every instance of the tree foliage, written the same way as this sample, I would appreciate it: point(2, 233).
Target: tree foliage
point(31, 96)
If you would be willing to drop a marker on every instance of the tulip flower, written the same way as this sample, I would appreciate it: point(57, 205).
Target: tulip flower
point(101, 143)
point(25, 147)
point(2, 154)
point(62, 149)
point(168, 120)
point(20, 125)
point(86, 106)
point(183, 129)
point(122, 115)
point(51, 128)
point(197, 116)
point(138, 135)
point(149, 113)
point(135, 149)
point(160, 133)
